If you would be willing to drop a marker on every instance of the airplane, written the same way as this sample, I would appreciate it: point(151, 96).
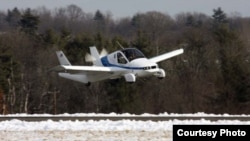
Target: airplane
point(129, 63)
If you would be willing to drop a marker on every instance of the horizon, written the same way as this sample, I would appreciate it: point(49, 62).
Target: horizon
point(121, 9)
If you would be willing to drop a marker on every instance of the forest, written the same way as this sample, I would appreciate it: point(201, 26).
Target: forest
point(212, 76)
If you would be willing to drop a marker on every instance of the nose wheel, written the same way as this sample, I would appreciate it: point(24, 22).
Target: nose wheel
point(160, 78)
point(88, 84)
point(130, 77)
point(160, 74)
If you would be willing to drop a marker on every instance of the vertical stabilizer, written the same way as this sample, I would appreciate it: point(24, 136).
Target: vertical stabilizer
point(62, 58)
point(95, 54)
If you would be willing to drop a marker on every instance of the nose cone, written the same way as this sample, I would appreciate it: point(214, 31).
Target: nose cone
point(146, 67)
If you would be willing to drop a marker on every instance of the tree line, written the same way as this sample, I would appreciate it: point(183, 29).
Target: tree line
point(212, 76)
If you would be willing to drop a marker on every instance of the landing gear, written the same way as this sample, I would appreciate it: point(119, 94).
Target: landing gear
point(131, 83)
point(88, 84)
point(160, 74)
point(130, 78)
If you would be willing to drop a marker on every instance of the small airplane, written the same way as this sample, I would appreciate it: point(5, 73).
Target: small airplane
point(129, 63)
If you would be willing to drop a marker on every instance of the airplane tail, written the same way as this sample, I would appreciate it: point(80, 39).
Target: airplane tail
point(62, 58)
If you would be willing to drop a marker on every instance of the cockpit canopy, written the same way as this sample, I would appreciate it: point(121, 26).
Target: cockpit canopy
point(132, 53)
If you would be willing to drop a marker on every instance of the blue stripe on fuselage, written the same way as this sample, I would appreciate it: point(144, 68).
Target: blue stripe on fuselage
point(106, 63)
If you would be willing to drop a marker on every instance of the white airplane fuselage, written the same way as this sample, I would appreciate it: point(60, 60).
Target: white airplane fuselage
point(129, 63)
point(133, 62)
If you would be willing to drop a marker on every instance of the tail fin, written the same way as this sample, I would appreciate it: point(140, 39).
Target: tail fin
point(62, 58)
point(96, 56)
point(94, 52)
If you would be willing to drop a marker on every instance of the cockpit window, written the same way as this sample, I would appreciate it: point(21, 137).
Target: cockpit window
point(121, 59)
point(132, 53)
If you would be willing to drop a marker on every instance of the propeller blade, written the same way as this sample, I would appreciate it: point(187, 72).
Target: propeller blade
point(89, 58)
point(103, 52)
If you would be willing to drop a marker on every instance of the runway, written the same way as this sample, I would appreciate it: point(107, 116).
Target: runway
point(104, 127)
point(117, 118)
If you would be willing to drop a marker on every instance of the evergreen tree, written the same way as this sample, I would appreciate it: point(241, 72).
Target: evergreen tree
point(219, 16)
point(29, 23)
point(50, 37)
point(234, 88)
point(13, 17)
point(142, 43)
point(99, 19)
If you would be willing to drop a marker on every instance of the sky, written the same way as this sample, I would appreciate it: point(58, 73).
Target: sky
point(128, 8)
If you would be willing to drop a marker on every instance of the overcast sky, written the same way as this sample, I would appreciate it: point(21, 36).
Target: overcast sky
point(124, 8)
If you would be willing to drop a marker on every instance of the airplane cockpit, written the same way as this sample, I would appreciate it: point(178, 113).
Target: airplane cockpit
point(128, 54)
point(132, 53)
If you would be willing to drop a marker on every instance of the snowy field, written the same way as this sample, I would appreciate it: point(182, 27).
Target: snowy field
point(101, 130)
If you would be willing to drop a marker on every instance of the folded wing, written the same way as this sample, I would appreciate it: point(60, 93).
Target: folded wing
point(166, 55)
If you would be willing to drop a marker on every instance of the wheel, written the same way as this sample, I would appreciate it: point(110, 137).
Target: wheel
point(88, 84)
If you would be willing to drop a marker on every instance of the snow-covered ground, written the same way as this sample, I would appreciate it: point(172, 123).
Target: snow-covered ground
point(102, 130)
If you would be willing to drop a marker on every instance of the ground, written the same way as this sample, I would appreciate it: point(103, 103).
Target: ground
point(86, 135)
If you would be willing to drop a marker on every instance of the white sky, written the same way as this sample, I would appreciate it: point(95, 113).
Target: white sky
point(124, 8)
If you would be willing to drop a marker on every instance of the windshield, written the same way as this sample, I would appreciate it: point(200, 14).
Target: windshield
point(132, 53)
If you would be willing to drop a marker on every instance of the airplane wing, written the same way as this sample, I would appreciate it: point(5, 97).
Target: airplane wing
point(166, 55)
point(85, 69)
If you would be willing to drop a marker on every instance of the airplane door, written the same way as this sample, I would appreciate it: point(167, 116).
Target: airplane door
point(121, 59)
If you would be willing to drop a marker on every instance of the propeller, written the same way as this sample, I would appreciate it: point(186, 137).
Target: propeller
point(104, 52)
point(90, 58)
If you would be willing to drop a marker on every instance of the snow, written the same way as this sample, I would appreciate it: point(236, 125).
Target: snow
point(98, 129)
point(200, 114)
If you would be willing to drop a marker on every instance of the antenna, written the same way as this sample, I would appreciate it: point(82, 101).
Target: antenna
point(119, 45)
